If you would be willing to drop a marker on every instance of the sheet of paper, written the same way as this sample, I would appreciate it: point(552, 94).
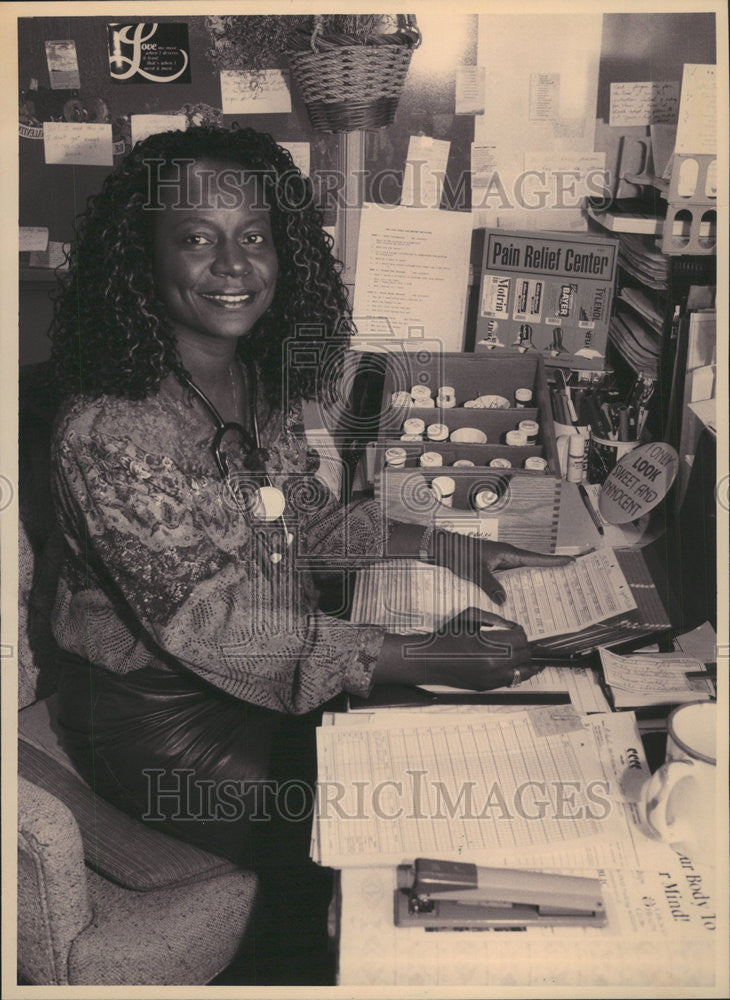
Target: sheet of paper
point(697, 125)
point(654, 678)
point(54, 256)
point(78, 143)
point(412, 597)
point(470, 90)
point(663, 138)
point(411, 279)
point(484, 162)
point(33, 238)
point(443, 787)
point(649, 102)
point(662, 934)
point(568, 177)
point(425, 169)
point(144, 125)
point(701, 643)
point(261, 93)
point(300, 153)
point(544, 96)
point(63, 65)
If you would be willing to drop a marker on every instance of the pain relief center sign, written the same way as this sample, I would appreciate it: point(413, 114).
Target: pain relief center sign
point(639, 481)
point(547, 292)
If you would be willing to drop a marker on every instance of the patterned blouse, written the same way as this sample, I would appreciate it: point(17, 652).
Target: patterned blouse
point(164, 568)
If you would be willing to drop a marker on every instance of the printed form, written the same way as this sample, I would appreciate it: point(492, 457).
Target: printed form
point(412, 597)
point(520, 789)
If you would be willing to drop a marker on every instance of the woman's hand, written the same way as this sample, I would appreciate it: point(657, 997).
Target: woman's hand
point(476, 560)
point(475, 649)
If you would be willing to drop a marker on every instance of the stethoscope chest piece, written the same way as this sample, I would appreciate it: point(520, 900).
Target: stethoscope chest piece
point(268, 503)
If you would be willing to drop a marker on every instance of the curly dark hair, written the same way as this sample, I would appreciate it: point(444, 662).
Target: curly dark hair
point(110, 334)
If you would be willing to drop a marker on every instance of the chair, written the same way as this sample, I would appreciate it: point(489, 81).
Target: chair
point(102, 898)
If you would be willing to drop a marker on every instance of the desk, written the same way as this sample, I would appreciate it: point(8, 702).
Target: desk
point(661, 931)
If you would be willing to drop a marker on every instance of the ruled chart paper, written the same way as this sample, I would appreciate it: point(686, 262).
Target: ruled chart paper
point(488, 787)
point(411, 597)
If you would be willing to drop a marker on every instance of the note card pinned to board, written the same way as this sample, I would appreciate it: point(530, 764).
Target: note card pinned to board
point(33, 238)
point(470, 90)
point(146, 125)
point(423, 179)
point(697, 125)
point(263, 93)
point(78, 143)
point(648, 102)
point(63, 65)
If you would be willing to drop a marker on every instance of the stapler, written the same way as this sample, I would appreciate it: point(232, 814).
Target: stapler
point(453, 895)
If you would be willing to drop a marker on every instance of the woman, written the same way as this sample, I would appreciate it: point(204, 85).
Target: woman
point(188, 603)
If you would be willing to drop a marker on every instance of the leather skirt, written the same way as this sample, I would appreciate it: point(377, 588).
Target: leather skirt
point(170, 749)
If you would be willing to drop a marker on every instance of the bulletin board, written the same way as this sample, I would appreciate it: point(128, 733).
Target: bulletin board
point(52, 194)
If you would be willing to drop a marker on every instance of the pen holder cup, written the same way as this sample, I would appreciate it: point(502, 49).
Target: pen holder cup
point(603, 455)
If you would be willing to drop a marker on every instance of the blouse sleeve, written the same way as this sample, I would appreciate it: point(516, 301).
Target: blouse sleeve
point(161, 560)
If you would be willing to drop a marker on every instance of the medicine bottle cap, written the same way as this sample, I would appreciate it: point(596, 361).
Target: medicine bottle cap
point(485, 498)
point(515, 438)
point(500, 463)
point(463, 463)
point(431, 458)
point(443, 486)
point(536, 463)
point(395, 456)
point(420, 391)
point(523, 396)
point(414, 425)
point(437, 432)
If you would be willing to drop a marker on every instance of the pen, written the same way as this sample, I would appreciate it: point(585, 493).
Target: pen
point(710, 672)
point(595, 517)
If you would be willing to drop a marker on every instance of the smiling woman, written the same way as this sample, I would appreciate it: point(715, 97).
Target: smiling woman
point(196, 530)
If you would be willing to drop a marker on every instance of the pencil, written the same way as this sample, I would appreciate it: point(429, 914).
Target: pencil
point(589, 507)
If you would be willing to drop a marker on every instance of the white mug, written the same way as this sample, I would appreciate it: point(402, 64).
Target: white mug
point(678, 801)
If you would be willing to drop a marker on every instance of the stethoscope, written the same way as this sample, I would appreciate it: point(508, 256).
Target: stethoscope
point(267, 502)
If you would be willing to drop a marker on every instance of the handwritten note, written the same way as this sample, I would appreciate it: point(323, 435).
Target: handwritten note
point(544, 96)
point(423, 179)
point(300, 153)
point(63, 66)
point(78, 143)
point(33, 238)
point(261, 93)
point(470, 90)
point(144, 125)
point(644, 103)
point(697, 126)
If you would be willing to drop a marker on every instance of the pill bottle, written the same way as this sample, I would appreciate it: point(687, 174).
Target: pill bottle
point(485, 498)
point(429, 459)
point(419, 393)
point(401, 398)
point(463, 463)
point(523, 398)
point(530, 428)
point(446, 397)
point(500, 463)
point(535, 463)
point(576, 458)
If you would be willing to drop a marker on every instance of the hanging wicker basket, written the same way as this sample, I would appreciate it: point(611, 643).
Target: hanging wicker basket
point(347, 87)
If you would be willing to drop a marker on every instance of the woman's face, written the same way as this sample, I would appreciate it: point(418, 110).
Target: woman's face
point(214, 256)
